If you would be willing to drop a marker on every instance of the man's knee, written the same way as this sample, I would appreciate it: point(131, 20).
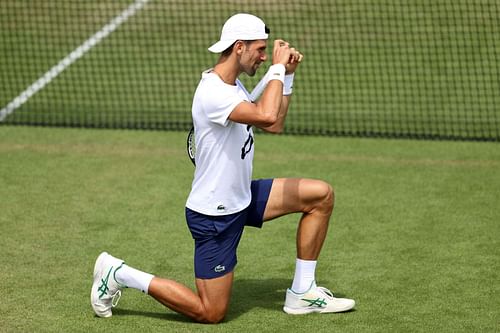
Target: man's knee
point(213, 318)
point(330, 198)
point(211, 315)
point(326, 196)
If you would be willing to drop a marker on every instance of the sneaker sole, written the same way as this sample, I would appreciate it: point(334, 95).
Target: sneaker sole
point(300, 311)
point(344, 308)
point(318, 310)
point(97, 275)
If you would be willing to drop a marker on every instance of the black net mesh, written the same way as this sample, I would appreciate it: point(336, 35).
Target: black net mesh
point(392, 68)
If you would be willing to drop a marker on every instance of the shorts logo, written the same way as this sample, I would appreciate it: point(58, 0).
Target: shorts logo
point(219, 268)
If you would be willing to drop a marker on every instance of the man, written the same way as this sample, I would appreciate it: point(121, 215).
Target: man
point(224, 199)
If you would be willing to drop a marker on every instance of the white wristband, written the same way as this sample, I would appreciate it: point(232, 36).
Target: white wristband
point(277, 72)
point(288, 84)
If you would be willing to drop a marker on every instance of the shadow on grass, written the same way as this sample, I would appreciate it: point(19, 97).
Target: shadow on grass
point(247, 294)
point(266, 294)
point(158, 315)
point(263, 293)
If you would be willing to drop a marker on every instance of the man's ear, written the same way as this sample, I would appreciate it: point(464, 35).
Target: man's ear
point(239, 47)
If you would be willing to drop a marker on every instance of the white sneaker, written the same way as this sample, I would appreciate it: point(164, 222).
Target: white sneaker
point(316, 299)
point(105, 291)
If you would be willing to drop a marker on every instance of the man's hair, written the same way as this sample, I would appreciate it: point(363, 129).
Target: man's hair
point(227, 52)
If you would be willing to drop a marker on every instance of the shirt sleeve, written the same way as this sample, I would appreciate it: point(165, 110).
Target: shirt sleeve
point(219, 101)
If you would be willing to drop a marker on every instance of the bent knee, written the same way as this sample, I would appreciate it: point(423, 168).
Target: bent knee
point(210, 316)
point(213, 318)
point(326, 197)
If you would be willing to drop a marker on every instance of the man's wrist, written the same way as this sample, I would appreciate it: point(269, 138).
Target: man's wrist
point(277, 72)
point(288, 84)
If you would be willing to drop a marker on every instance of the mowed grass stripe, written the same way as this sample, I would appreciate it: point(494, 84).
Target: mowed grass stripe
point(414, 237)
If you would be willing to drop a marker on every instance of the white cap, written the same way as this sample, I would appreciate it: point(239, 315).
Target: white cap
point(240, 27)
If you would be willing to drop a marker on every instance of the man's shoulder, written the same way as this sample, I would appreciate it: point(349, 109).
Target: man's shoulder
point(210, 82)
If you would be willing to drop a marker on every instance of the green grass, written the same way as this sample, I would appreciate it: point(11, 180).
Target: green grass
point(415, 237)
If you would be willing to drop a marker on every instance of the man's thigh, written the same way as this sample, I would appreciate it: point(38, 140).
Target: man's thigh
point(293, 195)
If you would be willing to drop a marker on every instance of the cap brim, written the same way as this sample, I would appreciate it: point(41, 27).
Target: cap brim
point(221, 46)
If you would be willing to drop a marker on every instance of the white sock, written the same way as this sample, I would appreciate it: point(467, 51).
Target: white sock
point(304, 277)
point(133, 278)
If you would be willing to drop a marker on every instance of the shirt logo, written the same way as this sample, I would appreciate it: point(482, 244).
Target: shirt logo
point(221, 208)
point(219, 268)
point(247, 147)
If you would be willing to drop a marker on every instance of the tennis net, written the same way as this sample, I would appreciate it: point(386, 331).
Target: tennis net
point(388, 68)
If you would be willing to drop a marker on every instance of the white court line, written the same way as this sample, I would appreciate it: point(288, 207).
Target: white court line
point(71, 58)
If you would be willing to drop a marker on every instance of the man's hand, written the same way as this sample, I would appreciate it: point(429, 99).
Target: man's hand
point(294, 60)
point(281, 52)
point(286, 55)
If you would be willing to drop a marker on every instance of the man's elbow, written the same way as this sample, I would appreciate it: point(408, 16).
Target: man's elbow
point(270, 120)
point(275, 129)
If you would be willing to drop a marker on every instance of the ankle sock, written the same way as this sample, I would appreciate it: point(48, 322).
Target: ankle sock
point(304, 277)
point(133, 278)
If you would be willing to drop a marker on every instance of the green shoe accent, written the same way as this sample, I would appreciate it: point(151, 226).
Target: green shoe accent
point(103, 288)
point(319, 302)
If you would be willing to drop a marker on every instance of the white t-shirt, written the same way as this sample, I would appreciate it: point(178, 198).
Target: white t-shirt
point(224, 149)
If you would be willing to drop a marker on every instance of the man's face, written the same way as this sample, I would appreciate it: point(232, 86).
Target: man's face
point(253, 54)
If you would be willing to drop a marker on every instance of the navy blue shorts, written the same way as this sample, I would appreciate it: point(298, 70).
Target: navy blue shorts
point(217, 237)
